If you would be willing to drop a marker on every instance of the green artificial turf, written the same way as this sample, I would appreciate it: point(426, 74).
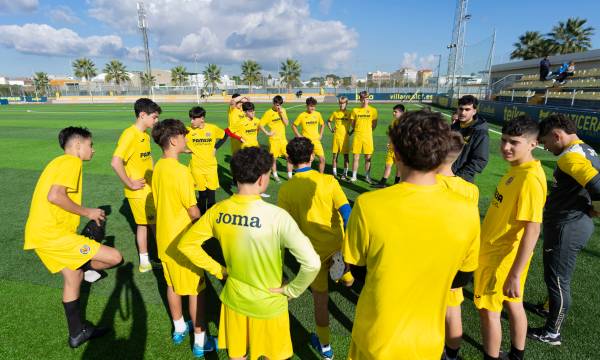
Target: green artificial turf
point(33, 324)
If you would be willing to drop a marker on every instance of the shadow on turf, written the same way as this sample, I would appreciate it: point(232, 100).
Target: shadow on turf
point(125, 210)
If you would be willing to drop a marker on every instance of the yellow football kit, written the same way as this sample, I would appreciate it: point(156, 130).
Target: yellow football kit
point(313, 200)
point(519, 198)
point(278, 141)
point(173, 188)
point(363, 119)
point(408, 247)
point(310, 129)
point(52, 231)
point(253, 235)
point(250, 132)
point(203, 163)
point(133, 148)
point(235, 123)
point(342, 123)
point(390, 155)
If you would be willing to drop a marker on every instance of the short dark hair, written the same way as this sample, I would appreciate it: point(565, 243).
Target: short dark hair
point(468, 100)
point(234, 95)
point(299, 150)
point(421, 139)
point(557, 121)
point(72, 132)
point(197, 112)
point(520, 126)
point(363, 94)
point(248, 164)
point(311, 101)
point(145, 105)
point(277, 100)
point(164, 130)
point(399, 107)
point(247, 106)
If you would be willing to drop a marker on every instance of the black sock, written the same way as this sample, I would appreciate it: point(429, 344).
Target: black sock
point(383, 180)
point(452, 353)
point(516, 354)
point(73, 314)
point(202, 197)
point(397, 180)
point(487, 357)
point(210, 198)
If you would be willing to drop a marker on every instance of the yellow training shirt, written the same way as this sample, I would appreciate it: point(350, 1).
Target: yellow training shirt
point(363, 119)
point(253, 235)
point(461, 186)
point(47, 222)
point(173, 192)
point(276, 125)
point(134, 148)
point(310, 124)
point(342, 122)
point(250, 132)
point(202, 144)
point(235, 124)
point(407, 237)
point(313, 200)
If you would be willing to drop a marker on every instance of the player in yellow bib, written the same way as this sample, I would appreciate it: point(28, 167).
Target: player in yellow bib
point(509, 232)
point(341, 138)
point(364, 121)
point(253, 235)
point(236, 121)
point(312, 125)
point(396, 231)
point(390, 157)
point(276, 119)
point(132, 162)
point(203, 139)
point(51, 228)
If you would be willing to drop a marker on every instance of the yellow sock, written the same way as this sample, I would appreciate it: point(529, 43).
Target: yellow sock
point(323, 334)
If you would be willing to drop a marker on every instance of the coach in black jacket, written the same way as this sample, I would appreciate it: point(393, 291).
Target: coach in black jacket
point(474, 129)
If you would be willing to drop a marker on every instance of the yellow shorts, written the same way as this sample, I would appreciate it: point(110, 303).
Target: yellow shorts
point(206, 179)
point(263, 337)
point(321, 282)
point(489, 282)
point(183, 277)
point(143, 210)
point(362, 145)
point(455, 297)
point(74, 251)
point(318, 151)
point(354, 352)
point(341, 145)
point(390, 156)
point(278, 148)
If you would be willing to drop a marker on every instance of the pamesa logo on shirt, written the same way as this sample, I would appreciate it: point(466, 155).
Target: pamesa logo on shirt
point(239, 220)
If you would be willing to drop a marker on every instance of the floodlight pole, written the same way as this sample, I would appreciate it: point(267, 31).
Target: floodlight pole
point(489, 64)
point(197, 74)
point(437, 85)
point(143, 26)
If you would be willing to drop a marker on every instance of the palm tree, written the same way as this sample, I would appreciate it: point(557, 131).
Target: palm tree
point(571, 36)
point(179, 75)
point(212, 76)
point(116, 72)
point(147, 80)
point(290, 72)
point(530, 45)
point(251, 72)
point(85, 68)
point(40, 82)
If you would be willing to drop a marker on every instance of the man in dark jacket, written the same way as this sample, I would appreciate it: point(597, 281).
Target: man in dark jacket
point(474, 129)
point(544, 68)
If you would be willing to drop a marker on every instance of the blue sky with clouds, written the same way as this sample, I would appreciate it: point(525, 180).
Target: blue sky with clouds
point(344, 37)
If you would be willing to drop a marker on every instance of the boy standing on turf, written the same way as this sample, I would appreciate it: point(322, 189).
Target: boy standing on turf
point(132, 162)
point(341, 139)
point(320, 207)
point(390, 157)
point(175, 200)
point(203, 139)
point(509, 233)
point(470, 192)
point(395, 231)
point(235, 122)
point(52, 224)
point(253, 235)
point(276, 119)
point(312, 123)
point(364, 121)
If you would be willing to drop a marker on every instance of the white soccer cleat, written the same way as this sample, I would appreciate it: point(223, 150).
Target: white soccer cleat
point(337, 268)
point(91, 276)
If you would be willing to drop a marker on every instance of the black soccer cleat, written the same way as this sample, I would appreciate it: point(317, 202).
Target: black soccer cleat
point(542, 335)
point(541, 309)
point(88, 332)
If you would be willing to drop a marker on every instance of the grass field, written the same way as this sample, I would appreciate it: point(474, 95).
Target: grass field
point(33, 324)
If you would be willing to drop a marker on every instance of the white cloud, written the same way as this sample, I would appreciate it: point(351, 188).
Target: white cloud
point(64, 14)
point(409, 60)
point(414, 61)
point(325, 6)
point(428, 62)
point(18, 5)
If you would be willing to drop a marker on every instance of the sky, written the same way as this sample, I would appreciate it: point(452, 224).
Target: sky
point(344, 37)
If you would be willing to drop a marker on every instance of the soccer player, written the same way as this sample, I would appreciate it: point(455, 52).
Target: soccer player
point(364, 121)
point(474, 129)
point(509, 232)
point(341, 139)
point(410, 247)
point(567, 222)
point(276, 119)
point(203, 139)
point(52, 224)
point(312, 125)
point(175, 200)
point(390, 157)
point(132, 162)
point(252, 233)
point(320, 207)
point(470, 192)
point(235, 122)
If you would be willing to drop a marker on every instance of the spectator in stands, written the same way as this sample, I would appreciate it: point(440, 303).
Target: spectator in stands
point(544, 68)
point(567, 71)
